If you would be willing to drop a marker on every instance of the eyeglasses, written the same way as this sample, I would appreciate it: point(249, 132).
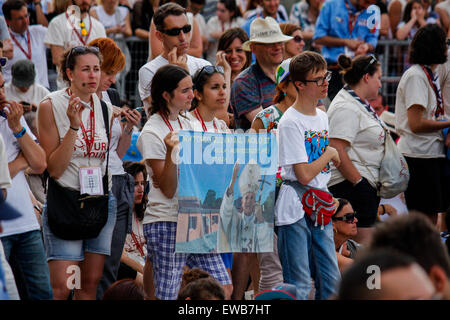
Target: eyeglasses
point(372, 61)
point(209, 70)
point(321, 81)
point(3, 61)
point(78, 50)
point(298, 39)
point(176, 31)
point(348, 218)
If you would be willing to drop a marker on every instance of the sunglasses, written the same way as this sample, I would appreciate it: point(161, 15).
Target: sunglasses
point(3, 61)
point(298, 39)
point(176, 31)
point(348, 218)
point(209, 70)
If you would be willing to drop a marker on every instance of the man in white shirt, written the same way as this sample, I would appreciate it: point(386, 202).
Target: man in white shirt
point(23, 87)
point(21, 238)
point(172, 29)
point(27, 41)
point(72, 28)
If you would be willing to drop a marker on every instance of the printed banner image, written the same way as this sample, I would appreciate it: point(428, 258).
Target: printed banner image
point(226, 193)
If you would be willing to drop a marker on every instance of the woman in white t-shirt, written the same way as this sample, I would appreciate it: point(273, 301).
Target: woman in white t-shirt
point(115, 19)
point(121, 130)
point(228, 16)
point(72, 132)
point(172, 94)
point(419, 120)
point(358, 135)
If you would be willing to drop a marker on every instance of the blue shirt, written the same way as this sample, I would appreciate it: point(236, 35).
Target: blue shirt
point(258, 14)
point(333, 21)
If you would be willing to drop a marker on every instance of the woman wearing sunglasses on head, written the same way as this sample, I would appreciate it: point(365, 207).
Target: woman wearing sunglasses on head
point(358, 135)
point(344, 227)
point(73, 132)
point(172, 95)
point(121, 130)
point(295, 46)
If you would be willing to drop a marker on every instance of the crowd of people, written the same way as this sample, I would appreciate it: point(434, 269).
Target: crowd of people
point(89, 185)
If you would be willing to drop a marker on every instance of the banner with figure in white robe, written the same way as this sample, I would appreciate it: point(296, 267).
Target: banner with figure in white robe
point(226, 192)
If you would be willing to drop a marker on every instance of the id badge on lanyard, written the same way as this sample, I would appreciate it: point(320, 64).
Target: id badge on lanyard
point(91, 180)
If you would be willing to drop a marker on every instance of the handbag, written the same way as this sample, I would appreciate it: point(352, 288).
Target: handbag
point(75, 216)
point(318, 204)
point(394, 172)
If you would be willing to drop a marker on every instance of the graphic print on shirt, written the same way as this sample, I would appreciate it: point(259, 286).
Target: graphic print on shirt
point(98, 150)
point(315, 144)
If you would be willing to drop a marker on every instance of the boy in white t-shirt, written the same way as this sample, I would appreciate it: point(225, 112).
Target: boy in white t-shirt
point(306, 251)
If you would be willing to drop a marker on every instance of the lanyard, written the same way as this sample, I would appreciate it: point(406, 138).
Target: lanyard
point(28, 55)
point(89, 141)
point(135, 239)
point(352, 17)
point(199, 118)
point(365, 104)
point(433, 83)
point(166, 121)
point(76, 31)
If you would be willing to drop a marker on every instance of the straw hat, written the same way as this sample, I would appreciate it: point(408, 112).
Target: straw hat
point(265, 31)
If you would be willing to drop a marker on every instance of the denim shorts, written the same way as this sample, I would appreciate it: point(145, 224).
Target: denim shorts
point(73, 250)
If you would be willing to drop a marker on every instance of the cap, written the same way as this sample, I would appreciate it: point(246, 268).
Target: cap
point(282, 291)
point(282, 71)
point(23, 73)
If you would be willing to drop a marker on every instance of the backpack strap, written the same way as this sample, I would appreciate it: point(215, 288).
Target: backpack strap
point(114, 96)
point(106, 121)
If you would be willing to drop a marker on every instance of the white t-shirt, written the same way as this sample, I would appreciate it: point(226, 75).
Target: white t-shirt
point(34, 95)
point(444, 79)
point(148, 70)
point(60, 33)
point(302, 139)
point(213, 26)
point(5, 179)
point(151, 146)
point(18, 195)
point(97, 155)
point(350, 121)
point(197, 125)
point(414, 88)
point(110, 21)
point(131, 247)
point(38, 53)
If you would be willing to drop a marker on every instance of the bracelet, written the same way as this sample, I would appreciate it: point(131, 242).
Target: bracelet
point(128, 132)
point(74, 129)
point(20, 133)
point(384, 209)
point(357, 182)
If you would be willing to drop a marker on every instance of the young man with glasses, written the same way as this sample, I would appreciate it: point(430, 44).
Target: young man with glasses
point(304, 157)
point(27, 41)
point(172, 29)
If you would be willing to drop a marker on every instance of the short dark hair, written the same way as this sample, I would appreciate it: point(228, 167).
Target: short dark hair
point(10, 5)
point(353, 285)
point(305, 62)
point(202, 289)
point(166, 79)
point(124, 289)
point(228, 37)
point(354, 70)
point(415, 235)
point(166, 10)
point(428, 46)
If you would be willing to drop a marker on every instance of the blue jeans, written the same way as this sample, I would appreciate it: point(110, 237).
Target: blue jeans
point(26, 255)
point(308, 252)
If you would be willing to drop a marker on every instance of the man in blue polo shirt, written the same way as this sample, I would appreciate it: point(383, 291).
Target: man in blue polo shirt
point(349, 27)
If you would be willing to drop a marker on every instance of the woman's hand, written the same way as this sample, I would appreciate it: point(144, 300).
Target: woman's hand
point(171, 141)
point(74, 110)
point(133, 118)
point(222, 61)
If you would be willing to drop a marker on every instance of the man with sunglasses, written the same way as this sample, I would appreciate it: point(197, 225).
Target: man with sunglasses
point(72, 28)
point(253, 90)
point(27, 41)
point(172, 29)
point(349, 27)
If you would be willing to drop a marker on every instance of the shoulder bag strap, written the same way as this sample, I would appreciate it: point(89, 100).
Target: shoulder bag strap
point(105, 120)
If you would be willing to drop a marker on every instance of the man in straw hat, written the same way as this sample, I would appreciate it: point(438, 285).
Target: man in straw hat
point(245, 231)
point(254, 89)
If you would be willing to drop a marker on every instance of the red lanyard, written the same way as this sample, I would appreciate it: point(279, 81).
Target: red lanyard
point(28, 55)
point(89, 140)
point(199, 118)
point(76, 31)
point(136, 240)
point(439, 99)
point(168, 123)
point(352, 17)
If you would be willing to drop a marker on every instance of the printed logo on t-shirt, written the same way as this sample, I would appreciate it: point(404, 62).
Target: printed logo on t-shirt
point(315, 144)
point(98, 150)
